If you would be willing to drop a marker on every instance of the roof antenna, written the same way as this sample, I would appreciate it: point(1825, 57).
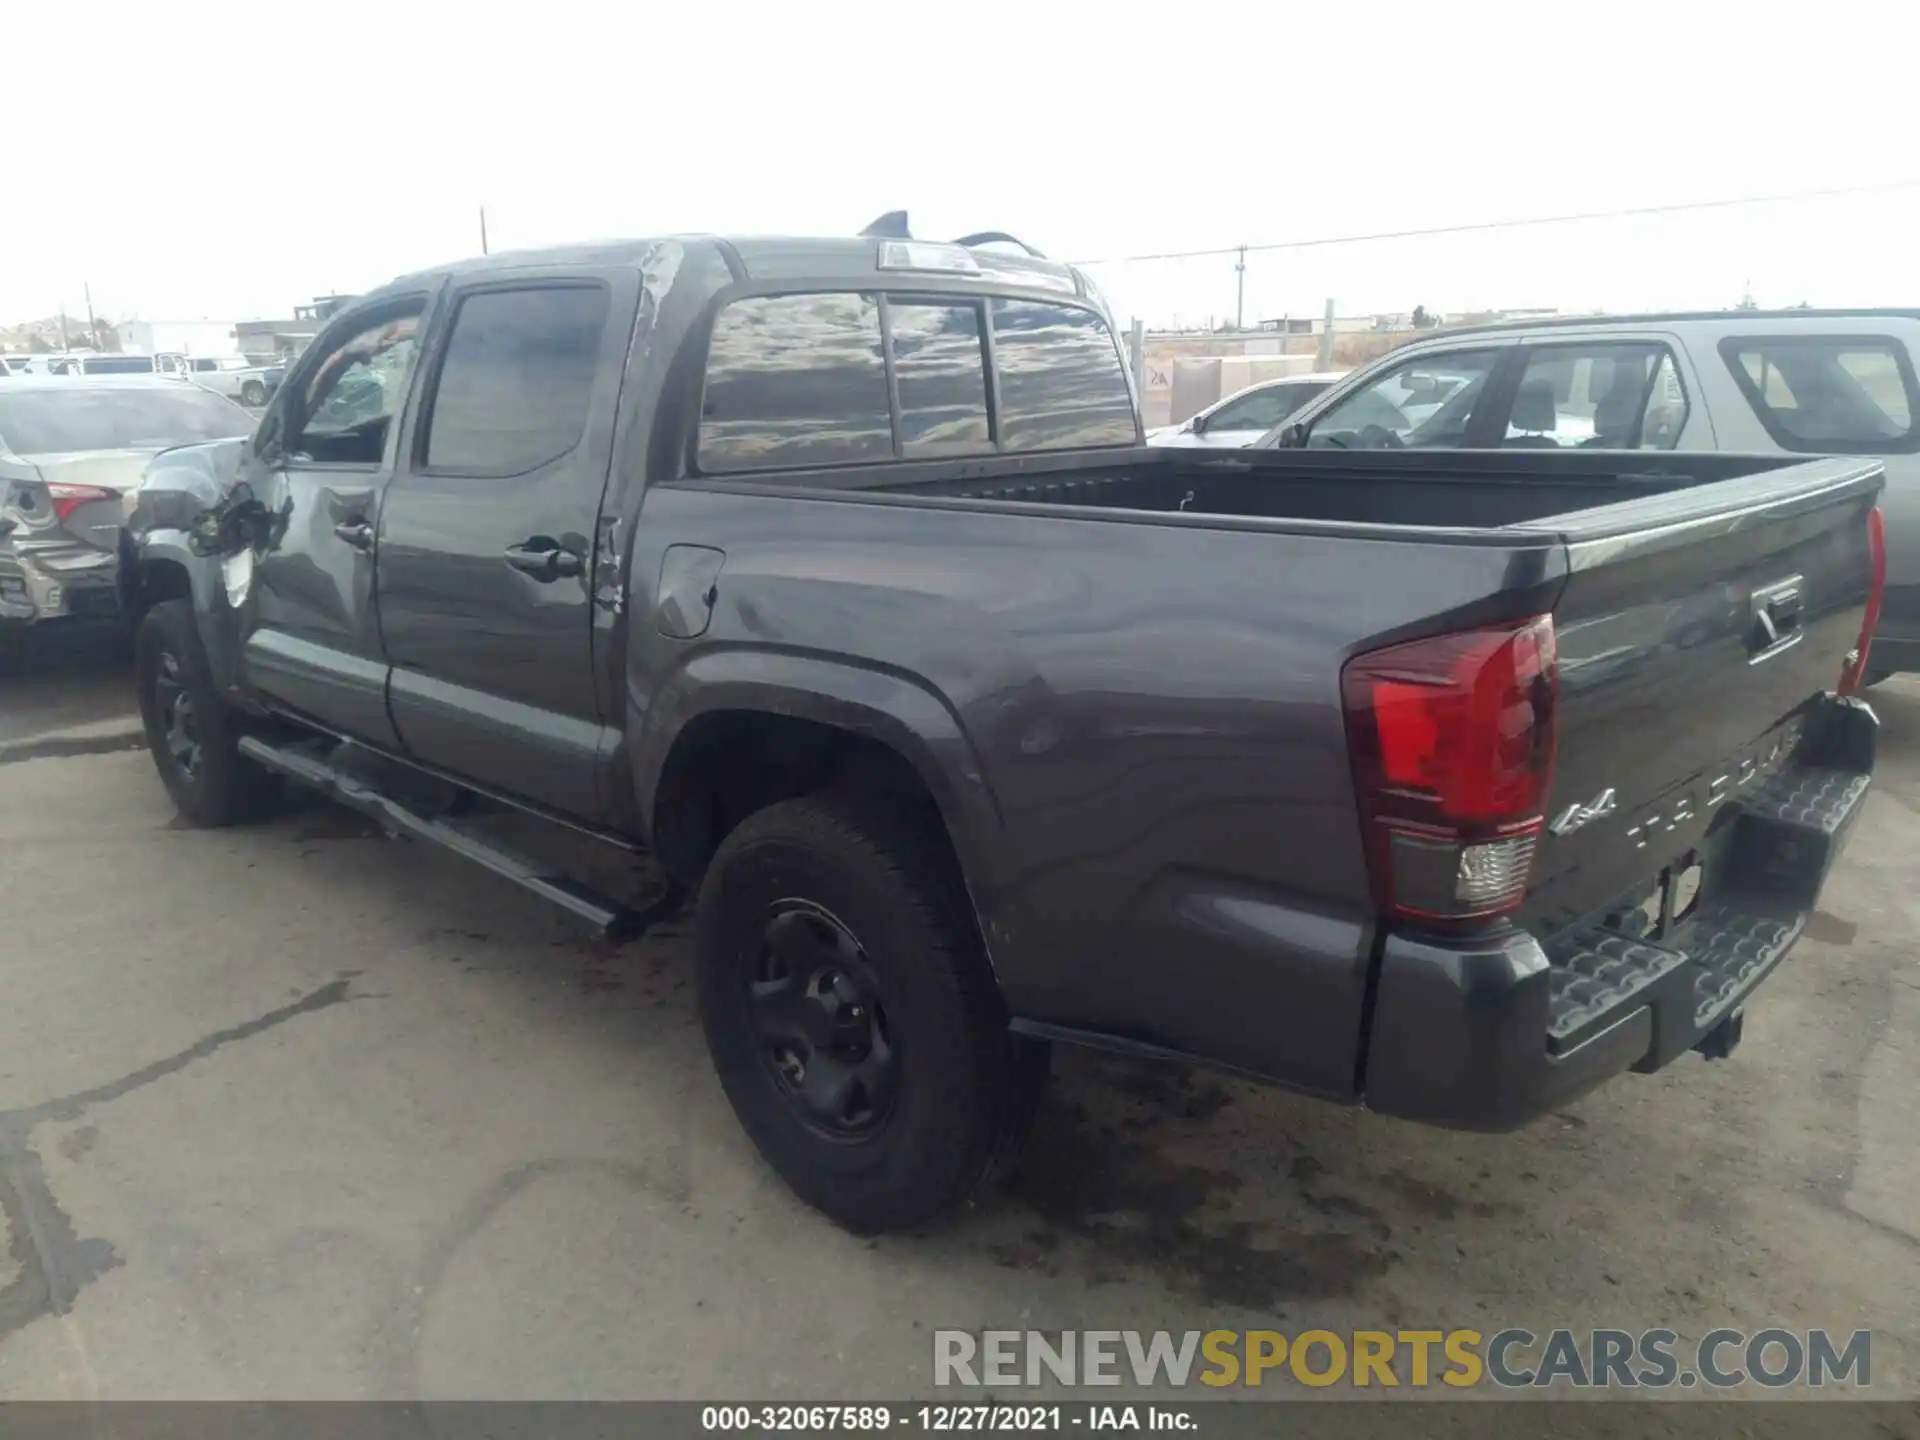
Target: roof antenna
point(890, 226)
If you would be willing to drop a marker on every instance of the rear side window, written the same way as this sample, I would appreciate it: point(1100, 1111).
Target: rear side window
point(805, 380)
point(517, 379)
point(1828, 393)
point(940, 369)
point(1061, 383)
point(1623, 395)
point(795, 380)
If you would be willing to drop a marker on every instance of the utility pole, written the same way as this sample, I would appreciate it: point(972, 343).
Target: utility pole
point(1323, 353)
point(93, 326)
point(1240, 296)
point(483, 231)
point(65, 344)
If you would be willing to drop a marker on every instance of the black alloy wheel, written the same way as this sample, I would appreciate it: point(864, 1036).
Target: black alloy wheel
point(817, 1011)
point(180, 725)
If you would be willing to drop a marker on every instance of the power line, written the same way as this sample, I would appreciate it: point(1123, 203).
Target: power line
point(1482, 225)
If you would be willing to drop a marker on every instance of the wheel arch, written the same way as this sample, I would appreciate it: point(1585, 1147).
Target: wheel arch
point(737, 730)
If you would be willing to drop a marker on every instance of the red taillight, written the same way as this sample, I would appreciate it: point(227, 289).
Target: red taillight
point(1452, 740)
point(68, 498)
point(1855, 668)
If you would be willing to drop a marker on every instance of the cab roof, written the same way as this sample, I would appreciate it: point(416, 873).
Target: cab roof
point(1670, 317)
point(771, 258)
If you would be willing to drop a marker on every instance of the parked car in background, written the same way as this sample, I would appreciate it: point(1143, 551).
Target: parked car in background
point(70, 448)
point(1246, 415)
point(834, 575)
point(74, 365)
point(1804, 382)
point(233, 376)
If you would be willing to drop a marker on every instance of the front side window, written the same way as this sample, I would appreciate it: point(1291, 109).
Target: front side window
point(517, 378)
point(1264, 408)
point(1851, 394)
point(1424, 402)
point(1623, 396)
point(351, 397)
point(795, 380)
point(1062, 384)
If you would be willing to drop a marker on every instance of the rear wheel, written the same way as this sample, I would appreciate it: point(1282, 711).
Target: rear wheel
point(852, 1015)
point(253, 394)
point(191, 731)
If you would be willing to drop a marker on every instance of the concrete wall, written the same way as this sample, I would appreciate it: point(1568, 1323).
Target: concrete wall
point(1165, 350)
point(1199, 381)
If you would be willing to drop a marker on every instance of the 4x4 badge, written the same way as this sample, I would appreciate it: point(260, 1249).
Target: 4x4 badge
point(1574, 816)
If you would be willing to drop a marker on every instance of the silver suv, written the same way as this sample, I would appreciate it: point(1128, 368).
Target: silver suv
point(1814, 382)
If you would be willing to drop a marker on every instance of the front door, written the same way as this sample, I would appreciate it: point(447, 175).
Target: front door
point(314, 642)
point(487, 536)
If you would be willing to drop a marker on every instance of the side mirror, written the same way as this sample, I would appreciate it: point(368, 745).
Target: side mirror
point(1294, 437)
point(1196, 426)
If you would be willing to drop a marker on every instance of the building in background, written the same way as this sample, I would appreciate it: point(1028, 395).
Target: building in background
point(177, 337)
point(265, 341)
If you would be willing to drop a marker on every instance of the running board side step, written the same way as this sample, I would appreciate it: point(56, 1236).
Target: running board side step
point(604, 918)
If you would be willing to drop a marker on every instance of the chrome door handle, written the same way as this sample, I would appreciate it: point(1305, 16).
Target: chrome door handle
point(543, 560)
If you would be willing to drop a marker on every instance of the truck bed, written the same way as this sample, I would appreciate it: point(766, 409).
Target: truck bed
point(1137, 660)
point(1454, 491)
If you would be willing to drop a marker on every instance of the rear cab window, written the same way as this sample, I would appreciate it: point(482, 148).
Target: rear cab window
point(1824, 394)
point(848, 378)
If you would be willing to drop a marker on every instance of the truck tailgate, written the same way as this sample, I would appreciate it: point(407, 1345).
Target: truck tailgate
point(1697, 635)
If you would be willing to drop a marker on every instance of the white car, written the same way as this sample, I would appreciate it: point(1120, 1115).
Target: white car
point(1244, 416)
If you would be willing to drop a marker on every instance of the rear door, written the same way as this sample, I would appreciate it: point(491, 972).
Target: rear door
point(313, 644)
point(1618, 391)
point(487, 537)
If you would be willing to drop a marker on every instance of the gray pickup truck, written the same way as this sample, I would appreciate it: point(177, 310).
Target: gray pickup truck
point(834, 576)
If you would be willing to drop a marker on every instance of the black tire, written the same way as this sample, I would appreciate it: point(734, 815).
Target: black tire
point(962, 1090)
point(253, 394)
point(191, 731)
point(13, 643)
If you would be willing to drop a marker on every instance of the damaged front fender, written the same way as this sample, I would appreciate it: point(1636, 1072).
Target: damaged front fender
point(192, 530)
point(182, 484)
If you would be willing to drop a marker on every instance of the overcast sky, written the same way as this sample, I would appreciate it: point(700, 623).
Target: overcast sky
point(160, 174)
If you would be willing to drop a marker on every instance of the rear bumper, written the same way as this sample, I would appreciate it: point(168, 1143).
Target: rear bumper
point(1487, 1034)
point(57, 582)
